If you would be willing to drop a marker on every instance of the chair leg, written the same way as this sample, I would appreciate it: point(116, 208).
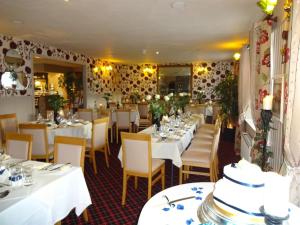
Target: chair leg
point(124, 188)
point(111, 134)
point(149, 187)
point(106, 156)
point(163, 178)
point(85, 216)
point(108, 147)
point(135, 183)
point(93, 157)
point(117, 134)
point(180, 175)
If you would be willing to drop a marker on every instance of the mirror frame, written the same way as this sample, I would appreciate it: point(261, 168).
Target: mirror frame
point(176, 65)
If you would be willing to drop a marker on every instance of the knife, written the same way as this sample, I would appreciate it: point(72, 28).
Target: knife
point(58, 167)
point(181, 199)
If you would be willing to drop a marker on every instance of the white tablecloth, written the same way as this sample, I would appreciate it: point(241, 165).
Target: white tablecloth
point(157, 211)
point(76, 130)
point(50, 199)
point(169, 149)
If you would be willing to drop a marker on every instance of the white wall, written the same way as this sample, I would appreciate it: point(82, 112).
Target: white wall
point(22, 105)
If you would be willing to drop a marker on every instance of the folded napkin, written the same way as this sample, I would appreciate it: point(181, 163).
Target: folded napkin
point(4, 157)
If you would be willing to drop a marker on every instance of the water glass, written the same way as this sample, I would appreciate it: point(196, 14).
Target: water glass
point(27, 174)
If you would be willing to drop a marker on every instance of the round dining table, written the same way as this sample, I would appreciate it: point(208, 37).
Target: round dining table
point(179, 204)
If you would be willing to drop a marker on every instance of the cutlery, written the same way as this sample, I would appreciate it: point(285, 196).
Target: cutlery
point(16, 163)
point(48, 166)
point(58, 167)
point(171, 203)
point(4, 193)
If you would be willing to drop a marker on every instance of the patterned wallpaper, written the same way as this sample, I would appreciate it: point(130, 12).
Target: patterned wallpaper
point(132, 77)
point(96, 83)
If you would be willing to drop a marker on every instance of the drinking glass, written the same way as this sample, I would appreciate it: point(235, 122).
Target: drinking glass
point(27, 174)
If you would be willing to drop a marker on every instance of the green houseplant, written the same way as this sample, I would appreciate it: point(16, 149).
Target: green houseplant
point(56, 102)
point(227, 94)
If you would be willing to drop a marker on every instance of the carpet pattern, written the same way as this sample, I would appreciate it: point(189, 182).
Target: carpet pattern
point(106, 188)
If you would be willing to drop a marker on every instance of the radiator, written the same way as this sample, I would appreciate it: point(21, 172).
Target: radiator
point(246, 145)
point(276, 144)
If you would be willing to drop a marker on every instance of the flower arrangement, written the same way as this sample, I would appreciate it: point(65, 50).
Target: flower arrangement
point(200, 96)
point(107, 96)
point(157, 106)
point(135, 96)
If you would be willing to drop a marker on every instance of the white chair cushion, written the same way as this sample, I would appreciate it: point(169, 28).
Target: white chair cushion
point(196, 157)
point(200, 147)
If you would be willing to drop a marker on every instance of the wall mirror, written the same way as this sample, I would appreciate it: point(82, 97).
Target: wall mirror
point(174, 79)
point(13, 78)
point(13, 59)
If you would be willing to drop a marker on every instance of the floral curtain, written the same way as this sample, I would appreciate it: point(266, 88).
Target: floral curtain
point(292, 137)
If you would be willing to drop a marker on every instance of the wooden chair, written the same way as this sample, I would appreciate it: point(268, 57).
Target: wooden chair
point(8, 123)
point(19, 146)
point(145, 116)
point(137, 161)
point(99, 141)
point(70, 150)
point(112, 105)
point(130, 106)
point(199, 159)
point(40, 147)
point(123, 121)
point(85, 114)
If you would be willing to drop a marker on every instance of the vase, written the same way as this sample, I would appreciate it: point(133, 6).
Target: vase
point(56, 116)
point(157, 122)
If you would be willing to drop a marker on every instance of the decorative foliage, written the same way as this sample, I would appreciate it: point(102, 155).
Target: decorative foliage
point(135, 96)
point(200, 96)
point(157, 106)
point(56, 102)
point(72, 82)
point(227, 93)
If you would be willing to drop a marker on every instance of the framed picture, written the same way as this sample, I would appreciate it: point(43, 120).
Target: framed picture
point(278, 90)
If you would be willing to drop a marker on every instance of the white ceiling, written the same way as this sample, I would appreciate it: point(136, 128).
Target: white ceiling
point(119, 30)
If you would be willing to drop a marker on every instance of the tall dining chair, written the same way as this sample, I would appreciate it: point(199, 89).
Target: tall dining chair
point(201, 159)
point(19, 146)
point(70, 150)
point(8, 123)
point(85, 114)
point(137, 161)
point(99, 141)
point(40, 147)
point(145, 116)
point(123, 121)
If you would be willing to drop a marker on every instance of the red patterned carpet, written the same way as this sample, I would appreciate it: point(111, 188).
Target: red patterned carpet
point(106, 188)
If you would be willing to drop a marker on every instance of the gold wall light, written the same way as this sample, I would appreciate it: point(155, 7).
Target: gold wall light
point(267, 6)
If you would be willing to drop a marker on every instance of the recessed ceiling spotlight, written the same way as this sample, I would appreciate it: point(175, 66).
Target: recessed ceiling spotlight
point(66, 0)
point(157, 52)
point(178, 5)
point(144, 51)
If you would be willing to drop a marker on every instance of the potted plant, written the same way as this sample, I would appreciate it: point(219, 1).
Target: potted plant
point(227, 94)
point(200, 96)
point(56, 102)
point(135, 96)
point(157, 108)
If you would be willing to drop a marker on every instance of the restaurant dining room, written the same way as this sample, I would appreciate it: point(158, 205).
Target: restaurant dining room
point(143, 112)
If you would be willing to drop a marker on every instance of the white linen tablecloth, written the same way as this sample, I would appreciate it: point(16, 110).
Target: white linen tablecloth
point(157, 211)
point(75, 130)
point(168, 149)
point(50, 199)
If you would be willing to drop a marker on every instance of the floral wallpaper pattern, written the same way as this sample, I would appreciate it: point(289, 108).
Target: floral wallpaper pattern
point(96, 83)
point(133, 78)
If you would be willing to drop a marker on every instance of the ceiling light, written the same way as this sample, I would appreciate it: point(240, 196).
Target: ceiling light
point(157, 52)
point(66, 0)
point(178, 5)
point(237, 56)
point(17, 22)
point(144, 51)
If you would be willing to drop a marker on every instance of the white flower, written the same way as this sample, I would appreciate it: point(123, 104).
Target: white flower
point(166, 98)
point(157, 97)
point(170, 94)
point(148, 97)
point(181, 94)
point(210, 102)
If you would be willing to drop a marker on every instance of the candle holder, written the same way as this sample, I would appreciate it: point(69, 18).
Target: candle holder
point(273, 220)
point(266, 117)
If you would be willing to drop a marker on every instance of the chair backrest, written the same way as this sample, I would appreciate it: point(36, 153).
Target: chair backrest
point(123, 118)
point(215, 144)
point(136, 152)
point(216, 111)
point(19, 146)
point(69, 150)
point(143, 110)
point(131, 106)
point(100, 132)
point(39, 137)
point(85, 114)
point(195, 108)
point(8, 123)
point(112, 105)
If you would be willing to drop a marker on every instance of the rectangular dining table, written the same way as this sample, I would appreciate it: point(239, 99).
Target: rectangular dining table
point(48, 200)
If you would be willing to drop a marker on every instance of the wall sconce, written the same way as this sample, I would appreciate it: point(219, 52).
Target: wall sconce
point(236, 56)
point(202, 70)
point(148, 70)
point(267, 6)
